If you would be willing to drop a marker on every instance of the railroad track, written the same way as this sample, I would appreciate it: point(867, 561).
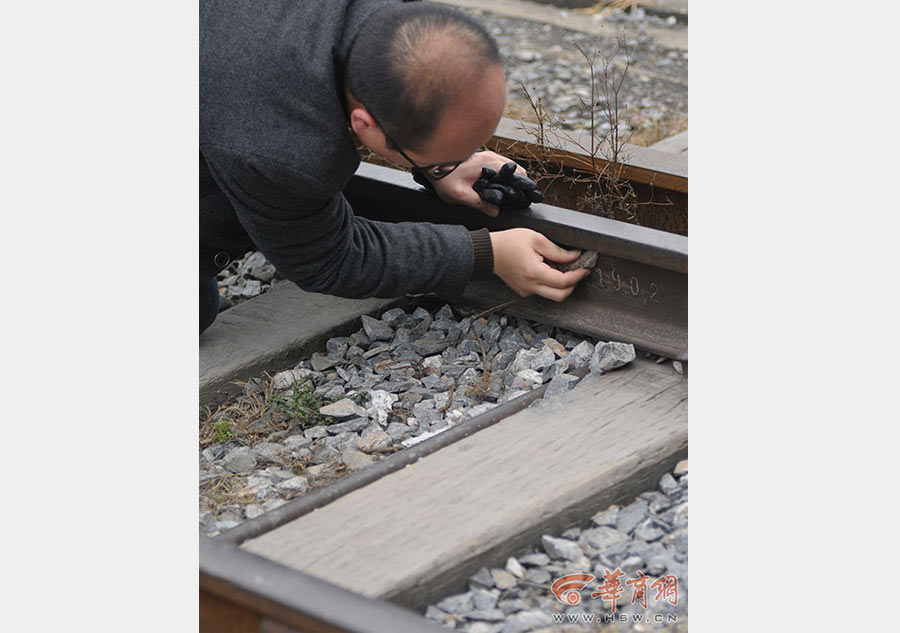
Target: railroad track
point(364, 553)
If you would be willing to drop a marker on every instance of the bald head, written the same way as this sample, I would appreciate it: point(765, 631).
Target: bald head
point(413, 64)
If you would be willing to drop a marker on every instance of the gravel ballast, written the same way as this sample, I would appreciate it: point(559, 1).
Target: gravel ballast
point(648, 537)
point(396, 381)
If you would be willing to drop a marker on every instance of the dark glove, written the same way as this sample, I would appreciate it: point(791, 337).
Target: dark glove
point(507, 189)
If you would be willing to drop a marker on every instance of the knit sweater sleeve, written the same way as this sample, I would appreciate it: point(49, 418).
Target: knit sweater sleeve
point(314, 239)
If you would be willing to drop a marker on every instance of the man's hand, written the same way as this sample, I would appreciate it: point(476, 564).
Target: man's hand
point(456, 188)
point(519, 256)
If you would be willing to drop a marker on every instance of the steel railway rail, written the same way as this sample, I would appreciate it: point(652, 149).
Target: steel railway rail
point(255, 578)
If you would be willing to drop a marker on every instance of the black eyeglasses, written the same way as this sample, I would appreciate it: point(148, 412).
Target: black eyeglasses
point(435, 171)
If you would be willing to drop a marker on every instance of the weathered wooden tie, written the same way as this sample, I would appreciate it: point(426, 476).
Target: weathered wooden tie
point(417, 534)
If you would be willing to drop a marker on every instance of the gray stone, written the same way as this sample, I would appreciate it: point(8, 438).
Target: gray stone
point(380, 405)
point(319, 470)
point(543, 359)
point(295, 442)
point(432, 366)
point(657, 501)
point(483, 627)
point(397, 431)
point(353, 425)
point(556, 347)
point(211, 455)
point(482, 578)
point(253, 510)
point(377, 353)
point(561, 548)
point(321, 363)
point(537, 576)
point(581, 354)
point(294, 484)
point(207, 522)
point(288, 378)
point(344, 408)
point(587, 259)
point(459, 603)
point(315, 432)
point(429, 346)
point(503, 579)
point(354, 459)
point(532, 619)
point(657, 565)
point(612, 355)
point(277, 474)
point(487, 615)
point(400, 385)
point(272, 452)
point(681, 468)
point(631, 515)
point(325, 452)
point(239, 460)
point(606, 517)
point(484, 599)
point(512, 340)
point(271, 504)
point(433, 613)
point(445, 313)
point(668, 484)
point(373, 438)
point(377, 330)
point(337, 347)
point(560, 384)
point(537, 559)
point(514, 567)
point(646, 550)
point(648, 530)
point(401, 336)
point(522, 361)
point(527, 379)
point(678, 367)
point(601, 538)
point(394, 316)
point(572, 533)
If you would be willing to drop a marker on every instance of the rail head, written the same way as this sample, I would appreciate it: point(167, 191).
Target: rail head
point(395, 190)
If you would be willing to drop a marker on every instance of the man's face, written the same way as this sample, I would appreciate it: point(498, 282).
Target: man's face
point(464, 127)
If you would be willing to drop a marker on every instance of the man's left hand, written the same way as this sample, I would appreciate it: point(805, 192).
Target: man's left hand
point(456, 188)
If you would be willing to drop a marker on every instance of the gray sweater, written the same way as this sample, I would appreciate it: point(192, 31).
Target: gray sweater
point(275, 154)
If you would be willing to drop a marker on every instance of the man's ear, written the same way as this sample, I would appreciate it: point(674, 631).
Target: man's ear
point(362, 122)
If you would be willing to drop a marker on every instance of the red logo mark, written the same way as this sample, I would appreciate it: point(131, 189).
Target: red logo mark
point(611, 588)
point(667, 589)
point(566, 588)
point(638, 589)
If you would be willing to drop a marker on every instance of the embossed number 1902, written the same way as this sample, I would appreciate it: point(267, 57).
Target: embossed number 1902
point(632, 286)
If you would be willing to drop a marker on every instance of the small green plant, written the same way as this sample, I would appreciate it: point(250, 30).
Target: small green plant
point(302, 405)
point(223, 430)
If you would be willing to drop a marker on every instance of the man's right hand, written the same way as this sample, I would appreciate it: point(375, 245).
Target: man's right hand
point(519, 256)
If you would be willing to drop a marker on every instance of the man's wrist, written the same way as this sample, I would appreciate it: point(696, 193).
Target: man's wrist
point(483, 266)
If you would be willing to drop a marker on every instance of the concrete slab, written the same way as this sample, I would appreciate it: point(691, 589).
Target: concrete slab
point(418, 533)
point(273, 331)
point(676, 144)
